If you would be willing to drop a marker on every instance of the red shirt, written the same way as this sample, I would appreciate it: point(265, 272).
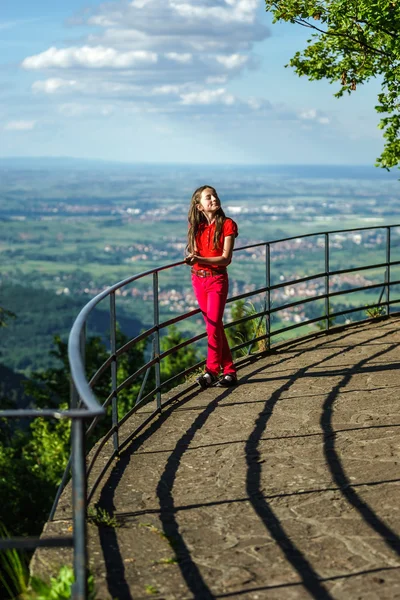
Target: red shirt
point(205, 242)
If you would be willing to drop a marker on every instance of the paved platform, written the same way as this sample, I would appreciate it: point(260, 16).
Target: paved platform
point(286, 487)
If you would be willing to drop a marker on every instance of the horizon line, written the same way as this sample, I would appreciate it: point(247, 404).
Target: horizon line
point(185, 163)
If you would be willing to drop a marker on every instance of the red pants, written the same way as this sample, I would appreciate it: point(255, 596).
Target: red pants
point(211, 294)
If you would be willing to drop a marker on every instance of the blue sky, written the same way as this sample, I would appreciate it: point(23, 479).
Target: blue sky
point(196, 81)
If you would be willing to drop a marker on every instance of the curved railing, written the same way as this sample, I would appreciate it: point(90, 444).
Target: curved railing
point(279, 294)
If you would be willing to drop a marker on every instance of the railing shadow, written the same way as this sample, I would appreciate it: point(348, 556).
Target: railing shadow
point(83, 390)
point(391, 539)
point(311, 581)
point(113, 559)
point(116, 581)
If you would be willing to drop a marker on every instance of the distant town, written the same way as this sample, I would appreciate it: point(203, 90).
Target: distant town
point(71, 234)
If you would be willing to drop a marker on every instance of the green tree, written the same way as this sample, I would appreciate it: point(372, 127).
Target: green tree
point(242, 332)
point(246, 331)
point(352, 41)
point(177, 361)
point(33, 459)
point(27, 479)
point(4, 315)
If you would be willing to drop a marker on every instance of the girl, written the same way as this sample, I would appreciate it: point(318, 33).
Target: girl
point(211, 238)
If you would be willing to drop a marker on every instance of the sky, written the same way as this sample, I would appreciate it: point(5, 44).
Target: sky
point(170, 81)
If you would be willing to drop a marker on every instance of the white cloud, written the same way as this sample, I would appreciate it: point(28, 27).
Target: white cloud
point(308, 115)
point(161, 55)
point(314, 115)
point(53, 85)
point(139, 3)
point(89, 87)
point(20, 125)
point(167, 89)
point(17, 23)
point(240, 11)
point(233, 61)
point(74, 109)
point(254, 103)
point(180, 58)
point(7, 24)
point(219, 96)
point(109, 19)
point(218, 79)
point(97, 57)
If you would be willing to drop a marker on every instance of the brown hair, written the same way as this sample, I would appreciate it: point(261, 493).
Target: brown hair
point(196, 217)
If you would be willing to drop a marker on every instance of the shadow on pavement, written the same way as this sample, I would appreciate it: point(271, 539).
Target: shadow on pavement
point(311, 580)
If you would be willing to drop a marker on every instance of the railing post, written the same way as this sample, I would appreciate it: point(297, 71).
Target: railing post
point(82, 344)
point(142, 387)
point(327, 307)
point(79, 495)
point(388, 258)
point(113, 348)
point(157, 337)
point(268, 284)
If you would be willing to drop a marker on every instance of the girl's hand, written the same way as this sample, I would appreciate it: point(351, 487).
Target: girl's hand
point(191, 259)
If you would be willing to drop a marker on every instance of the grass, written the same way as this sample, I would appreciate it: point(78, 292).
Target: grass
point(171, 541)
point(375, 311)
point(151, 589)
point(153, 529)
point(18, 585)
point(14, 573)
point(58, 588)
point(99, 516)
point(166, 561)
point(191, 377)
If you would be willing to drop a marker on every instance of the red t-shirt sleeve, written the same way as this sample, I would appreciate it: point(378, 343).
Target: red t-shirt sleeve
point(229, 227)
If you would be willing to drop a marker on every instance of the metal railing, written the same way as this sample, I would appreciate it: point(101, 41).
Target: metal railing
point(273, 296)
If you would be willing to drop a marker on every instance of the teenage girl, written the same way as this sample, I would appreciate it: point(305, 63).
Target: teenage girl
point(211, 238)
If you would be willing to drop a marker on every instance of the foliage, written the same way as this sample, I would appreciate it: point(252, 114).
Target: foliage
point(99, 516)
point(177, 361)
point(41, 314)
point(352, 41)
point(51, 387)
point(241, 332)
point(375, 311)
point(322, 323)
point(31, 463)
point(151, 589)
point(247, 330)
point(128, 363)
point(14, 571)
point(171, 560)
point(4, 315)
point(58, 588)
point(32, 460)
point(16, 583)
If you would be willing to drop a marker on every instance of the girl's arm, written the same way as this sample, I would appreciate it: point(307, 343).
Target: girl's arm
point(222, 261)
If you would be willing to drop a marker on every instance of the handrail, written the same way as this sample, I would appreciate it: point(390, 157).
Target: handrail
point(85, 405)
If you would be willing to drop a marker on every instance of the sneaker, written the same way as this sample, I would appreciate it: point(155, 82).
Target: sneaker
point(206, 380)
point(229, 380)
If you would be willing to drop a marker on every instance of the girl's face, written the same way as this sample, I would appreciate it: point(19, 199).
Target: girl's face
point(209, 201)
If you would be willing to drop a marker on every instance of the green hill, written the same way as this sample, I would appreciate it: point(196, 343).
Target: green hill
point(12, 392)
point(27, 340)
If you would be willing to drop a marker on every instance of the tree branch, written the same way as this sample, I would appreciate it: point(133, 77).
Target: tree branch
point(304, 23)
point(390, 33)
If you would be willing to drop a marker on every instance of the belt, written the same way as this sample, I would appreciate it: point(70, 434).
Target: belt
point(205, 273)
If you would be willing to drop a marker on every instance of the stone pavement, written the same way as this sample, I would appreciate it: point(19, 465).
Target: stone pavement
point(286, 487)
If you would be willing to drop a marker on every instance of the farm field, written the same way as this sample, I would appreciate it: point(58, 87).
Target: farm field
point(68, 233)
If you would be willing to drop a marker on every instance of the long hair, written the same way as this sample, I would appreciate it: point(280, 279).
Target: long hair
point(196, 217)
